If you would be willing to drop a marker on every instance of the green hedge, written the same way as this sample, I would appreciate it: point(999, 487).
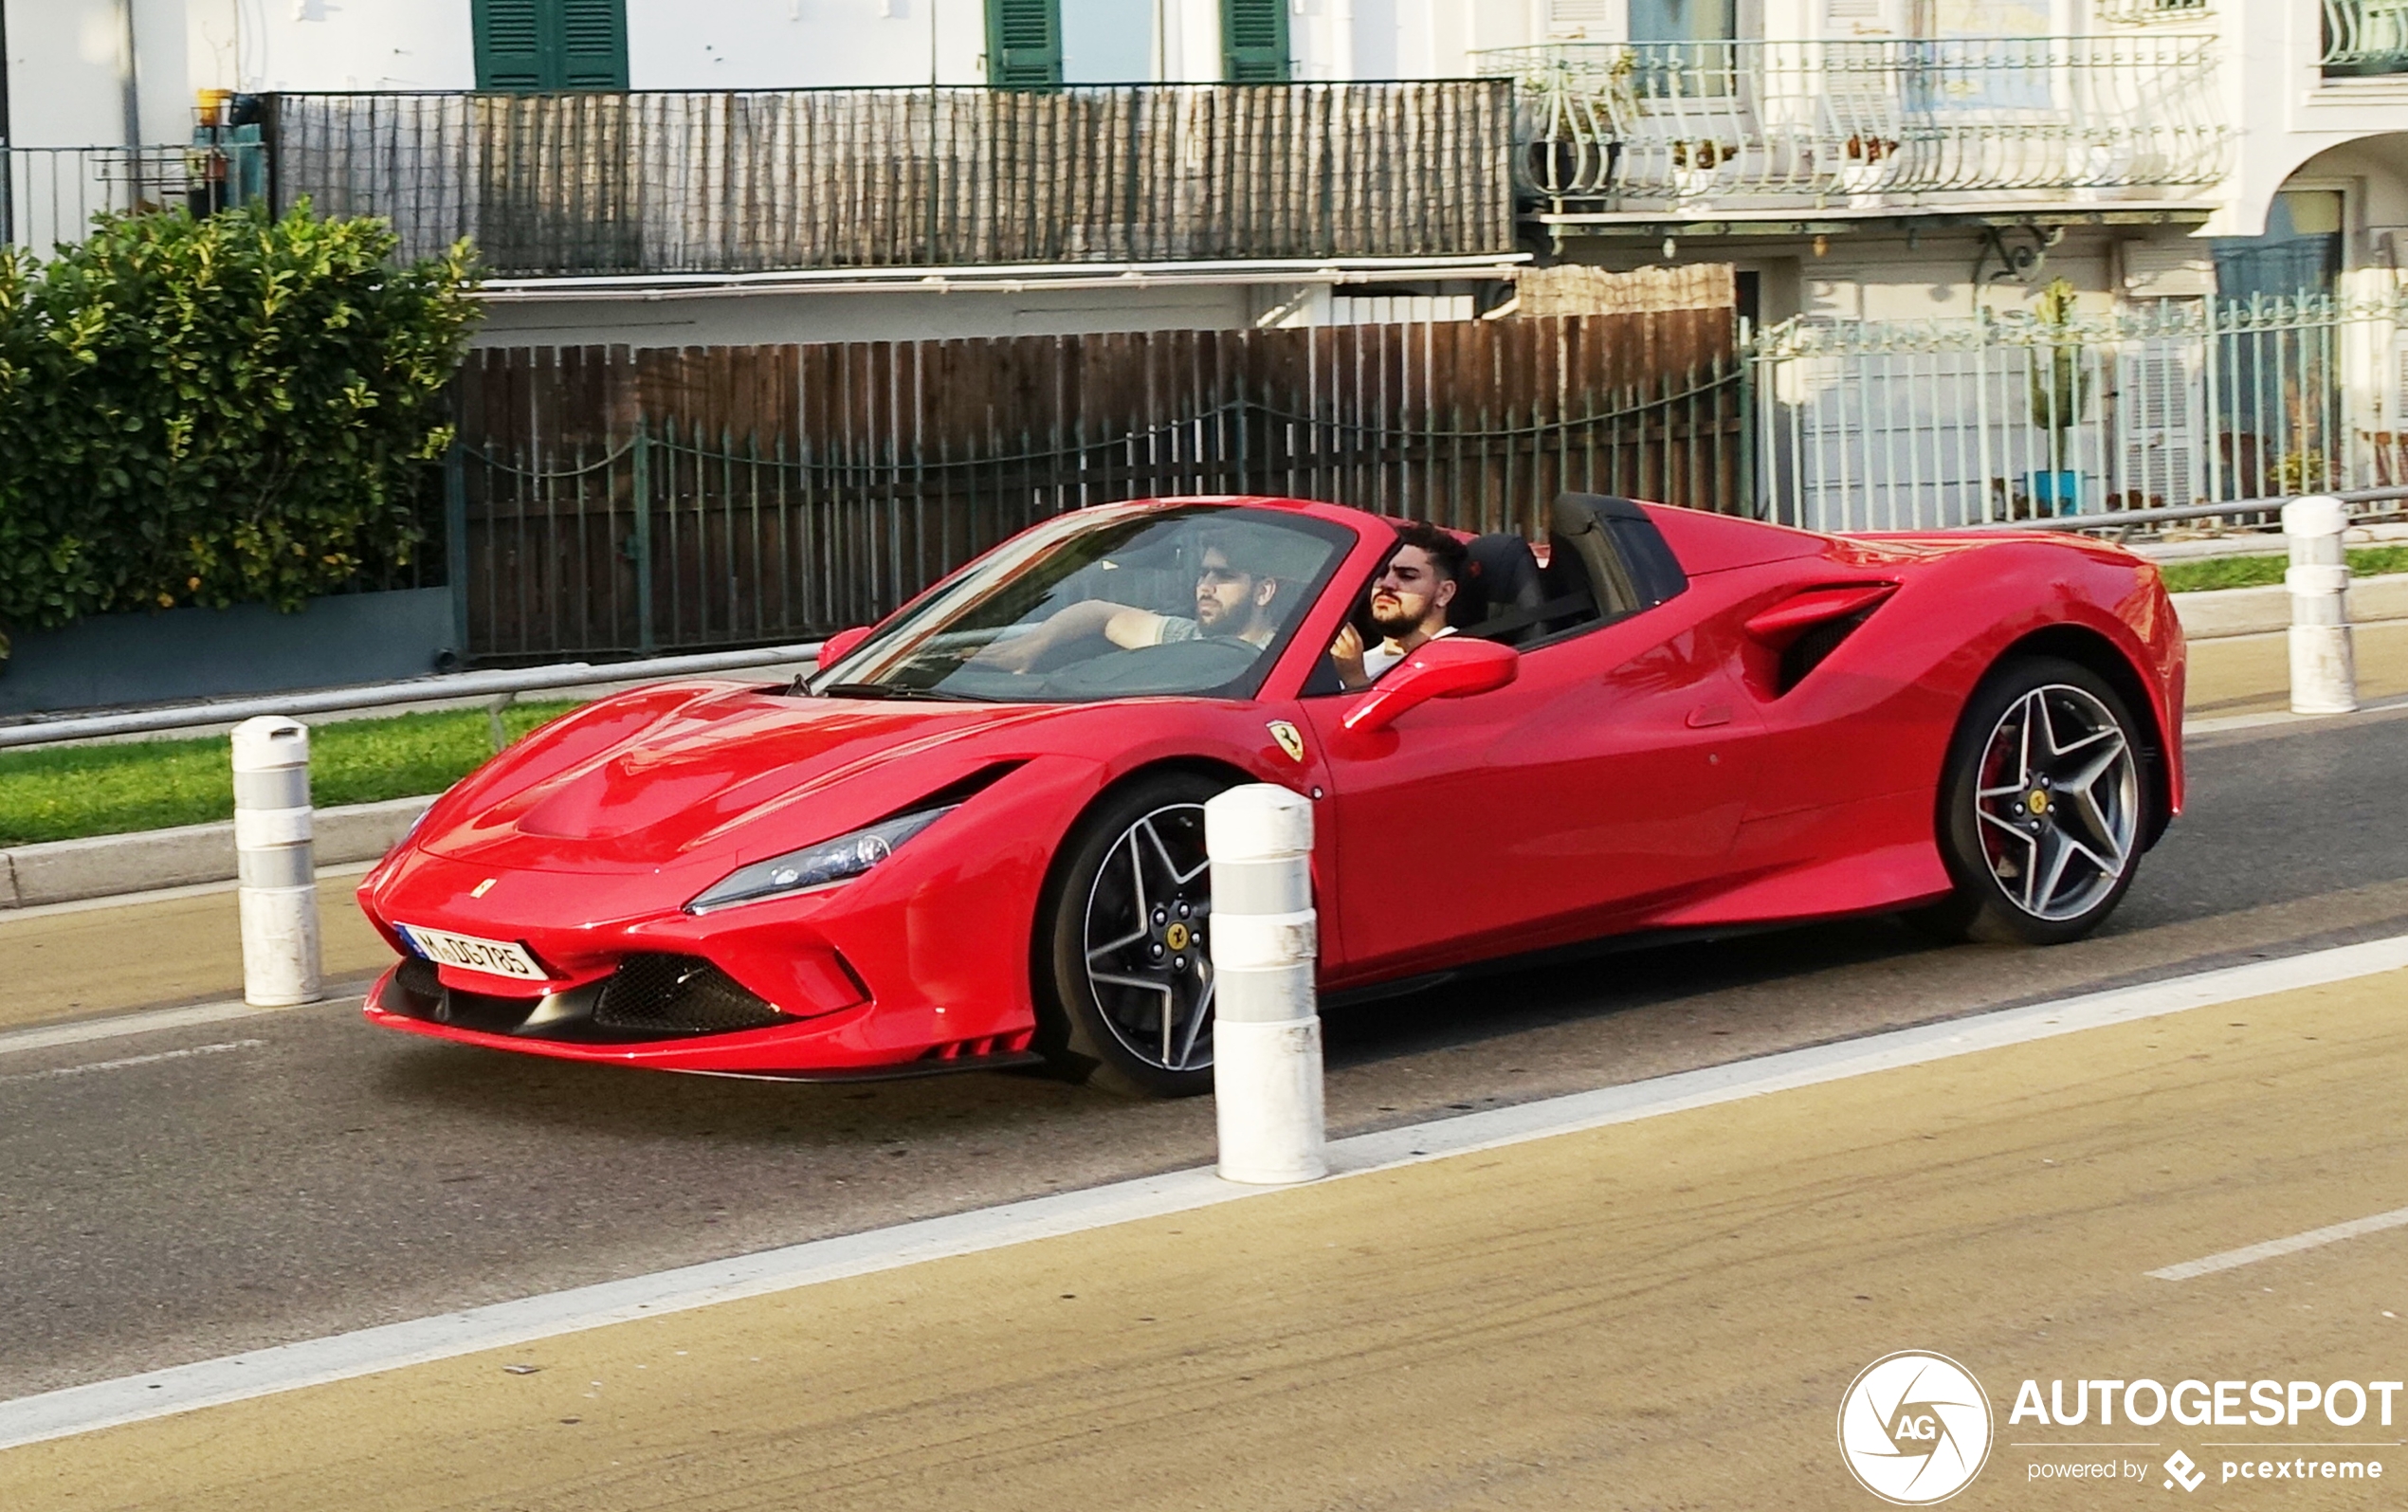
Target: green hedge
point(233, 410)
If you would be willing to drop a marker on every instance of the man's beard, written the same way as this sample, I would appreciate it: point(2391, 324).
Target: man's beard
point(1221, 620)
point(1398, 625)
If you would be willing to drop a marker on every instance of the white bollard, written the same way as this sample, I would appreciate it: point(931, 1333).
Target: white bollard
point(278, 888)
point(2324, 672)
point(1267, 1073)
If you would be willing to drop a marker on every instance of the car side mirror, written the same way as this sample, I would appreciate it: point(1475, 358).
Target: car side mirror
point(839, 646)
point(1450, 668)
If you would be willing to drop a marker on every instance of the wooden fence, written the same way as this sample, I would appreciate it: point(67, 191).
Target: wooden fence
point(608, 499)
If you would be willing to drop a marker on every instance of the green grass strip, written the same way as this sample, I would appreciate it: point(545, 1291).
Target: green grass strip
point(66, 792)
point(2256, 572)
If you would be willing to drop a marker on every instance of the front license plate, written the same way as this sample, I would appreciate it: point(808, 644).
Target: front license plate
point(493, 957)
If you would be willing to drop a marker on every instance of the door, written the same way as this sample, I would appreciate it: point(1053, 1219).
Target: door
point(1604, 784)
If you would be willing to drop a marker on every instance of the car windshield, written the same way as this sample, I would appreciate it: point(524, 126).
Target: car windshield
point(1112, 602)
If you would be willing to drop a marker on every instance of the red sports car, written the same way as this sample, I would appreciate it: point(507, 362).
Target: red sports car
point(974, 837)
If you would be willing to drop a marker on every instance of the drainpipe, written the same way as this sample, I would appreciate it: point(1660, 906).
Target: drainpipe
point(130, 76)
point(7, 186)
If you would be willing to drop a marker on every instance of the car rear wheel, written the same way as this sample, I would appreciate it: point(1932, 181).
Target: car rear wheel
point(1124, 970)
point(2043, 806)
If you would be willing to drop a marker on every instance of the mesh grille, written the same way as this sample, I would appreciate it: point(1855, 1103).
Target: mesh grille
point(679, 994)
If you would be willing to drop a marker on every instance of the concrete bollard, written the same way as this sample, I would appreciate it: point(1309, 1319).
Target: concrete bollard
point(2324, 672)
point(279, 886)
point(1266, 1071)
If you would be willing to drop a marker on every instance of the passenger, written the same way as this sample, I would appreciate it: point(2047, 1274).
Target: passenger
point(1408, 602)
point(1238, 581)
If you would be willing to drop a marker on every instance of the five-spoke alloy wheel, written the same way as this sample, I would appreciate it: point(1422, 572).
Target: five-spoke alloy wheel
point(1130, 972)
point(2043, 806)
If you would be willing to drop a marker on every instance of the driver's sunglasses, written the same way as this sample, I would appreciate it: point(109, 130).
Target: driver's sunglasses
point(1221, 575)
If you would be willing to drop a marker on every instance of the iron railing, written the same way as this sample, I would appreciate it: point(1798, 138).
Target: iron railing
point(2365, 37)
point(674, 539)
point(767, 181)
point(49, 195)
point(2145, 13)
point(1655, 127)
point(1933, 424)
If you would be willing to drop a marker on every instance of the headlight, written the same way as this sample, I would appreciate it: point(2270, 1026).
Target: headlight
point(817, 865)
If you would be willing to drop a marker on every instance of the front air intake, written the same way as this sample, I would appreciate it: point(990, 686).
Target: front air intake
point(678, 994)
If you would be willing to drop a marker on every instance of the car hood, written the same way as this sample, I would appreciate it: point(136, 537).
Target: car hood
point(629, 782)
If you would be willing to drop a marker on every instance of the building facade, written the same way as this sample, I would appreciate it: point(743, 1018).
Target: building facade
point(1910, 189)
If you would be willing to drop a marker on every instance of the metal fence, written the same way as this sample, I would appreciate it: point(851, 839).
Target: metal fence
point(1915, 424)
point(674, 538)
point(49, 195)
point(602, 183)
point(1656, 126)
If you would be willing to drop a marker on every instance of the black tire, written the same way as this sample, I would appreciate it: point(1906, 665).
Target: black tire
point(1109, 1033)
point(2030, 865)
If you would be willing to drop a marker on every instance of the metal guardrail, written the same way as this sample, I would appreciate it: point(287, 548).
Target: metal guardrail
point(2365, 37)
point(385, 695)
point(2125, 520)
point(1683, 125)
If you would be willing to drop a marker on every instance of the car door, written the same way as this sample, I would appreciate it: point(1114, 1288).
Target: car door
point(1605, 783)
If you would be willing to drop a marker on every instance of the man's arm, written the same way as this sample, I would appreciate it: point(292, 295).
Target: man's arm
point(1118, 623)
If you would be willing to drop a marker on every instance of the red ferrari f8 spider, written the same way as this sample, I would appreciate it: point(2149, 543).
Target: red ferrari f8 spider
point(975, 836)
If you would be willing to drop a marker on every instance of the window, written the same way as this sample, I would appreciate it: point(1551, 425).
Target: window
point(1684, 21)
point(1254, 42)
point(1024, 44)
point(526, 46)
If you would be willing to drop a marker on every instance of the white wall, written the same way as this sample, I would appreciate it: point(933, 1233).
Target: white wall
point(799, 43)
point(67, 72)
point(780, 317)
point(370, 44)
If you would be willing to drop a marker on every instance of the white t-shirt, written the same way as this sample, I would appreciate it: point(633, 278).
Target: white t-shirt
point(1381, 657)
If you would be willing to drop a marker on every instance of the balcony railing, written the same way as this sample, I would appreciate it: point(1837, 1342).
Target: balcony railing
point(49, 194)
point(1680, 127)
point(661, 183)
point(2365, 37)
point(2148, 12)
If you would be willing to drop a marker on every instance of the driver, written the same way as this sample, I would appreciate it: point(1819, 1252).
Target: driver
point(1408, 602)
point(1237, 584)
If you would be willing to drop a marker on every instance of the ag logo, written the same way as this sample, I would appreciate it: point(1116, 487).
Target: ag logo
point(1914, 1428)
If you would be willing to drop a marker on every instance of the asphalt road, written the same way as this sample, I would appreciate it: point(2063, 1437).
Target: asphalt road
point(1660, 1314)
point(184, 1193)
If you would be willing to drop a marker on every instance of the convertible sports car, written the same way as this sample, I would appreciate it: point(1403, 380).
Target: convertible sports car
point(975, 838)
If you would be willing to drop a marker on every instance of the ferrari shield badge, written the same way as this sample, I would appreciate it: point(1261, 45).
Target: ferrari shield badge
point(1288, 739)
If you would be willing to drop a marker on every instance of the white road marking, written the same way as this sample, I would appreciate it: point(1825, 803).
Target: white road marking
point(2313, 1238)
point(153, 1059)
point(17, 1042)
point(343, 1356)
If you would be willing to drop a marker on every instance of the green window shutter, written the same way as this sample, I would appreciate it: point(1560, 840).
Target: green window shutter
point(1254, 42)
point(532, 45)
point(509, 43)
point(1024, 44)
point(592, 44)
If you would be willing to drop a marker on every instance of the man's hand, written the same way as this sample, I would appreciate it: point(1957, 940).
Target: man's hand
point(1348, 651)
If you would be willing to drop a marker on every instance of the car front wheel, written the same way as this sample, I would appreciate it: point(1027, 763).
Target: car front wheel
point(2043, 806)
point(1125, 969)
